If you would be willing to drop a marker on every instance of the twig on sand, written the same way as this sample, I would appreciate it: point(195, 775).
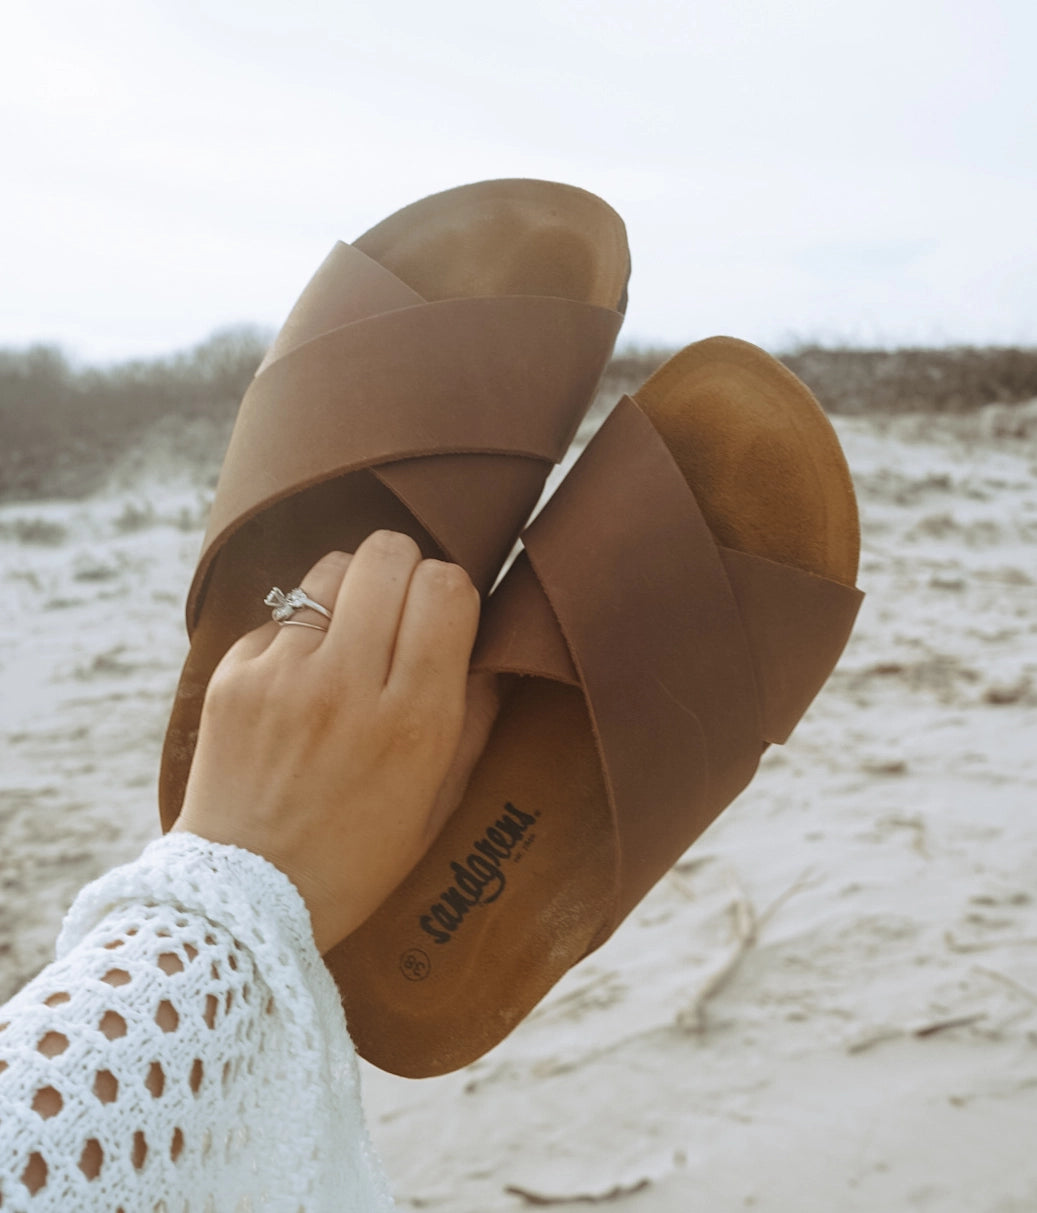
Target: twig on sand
point(1017, 986)
point(986, 945)
point(924, 1030)
point(800, 883)
point(577, 1198)
point(943, 1025)
point(873, 1037)
point(743, 917)
point(881, 1035)
point(747, 926)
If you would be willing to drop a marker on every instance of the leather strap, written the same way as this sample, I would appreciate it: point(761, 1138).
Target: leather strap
point(676, 642)
point(508, 376)
point(519, 632)
point(796, 625)
point(348, 286)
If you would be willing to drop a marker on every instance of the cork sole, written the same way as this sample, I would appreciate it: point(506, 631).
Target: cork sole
point(509, 237)
point(518, 884)
point(506, 238)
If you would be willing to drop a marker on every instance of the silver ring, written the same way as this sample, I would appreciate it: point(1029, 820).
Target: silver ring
point(285, 605)
point(298, 623)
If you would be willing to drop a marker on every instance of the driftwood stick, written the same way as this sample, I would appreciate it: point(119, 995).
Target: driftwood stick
point(1010, 982)
point(746, 924)
point(576, 1198)
point(743, 918)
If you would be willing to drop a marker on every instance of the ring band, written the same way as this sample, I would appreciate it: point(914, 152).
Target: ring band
point(285, 605)
point(298, 623)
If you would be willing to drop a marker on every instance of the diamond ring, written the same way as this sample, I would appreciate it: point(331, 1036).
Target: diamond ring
point(285, 605)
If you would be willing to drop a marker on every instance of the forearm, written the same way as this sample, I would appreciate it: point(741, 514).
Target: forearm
point(187, 1011)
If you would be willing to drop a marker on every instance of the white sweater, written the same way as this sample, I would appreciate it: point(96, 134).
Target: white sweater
point(197, 1047)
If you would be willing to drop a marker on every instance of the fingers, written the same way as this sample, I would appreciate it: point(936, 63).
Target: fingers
point(322, 584)
point(252, 644)
point(329, 760)
point(395, 617)
point(481, 709)
point(369, 605)
point(435, 636)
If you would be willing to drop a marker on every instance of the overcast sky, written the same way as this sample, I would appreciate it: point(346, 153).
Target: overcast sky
point(788, 169)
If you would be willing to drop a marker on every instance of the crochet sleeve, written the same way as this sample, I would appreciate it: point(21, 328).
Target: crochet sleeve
point(186, 1052)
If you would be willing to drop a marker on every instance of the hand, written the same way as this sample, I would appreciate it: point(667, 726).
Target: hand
point(337, 756)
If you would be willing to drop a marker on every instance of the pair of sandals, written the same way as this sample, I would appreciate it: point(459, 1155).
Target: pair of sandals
point(674, 609)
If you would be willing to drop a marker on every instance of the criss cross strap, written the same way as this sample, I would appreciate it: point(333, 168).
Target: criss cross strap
point(796, 625)
point(690, 656)
point(502, 382)
point(347, 286)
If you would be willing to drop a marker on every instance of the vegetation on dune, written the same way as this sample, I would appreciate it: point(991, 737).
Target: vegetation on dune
point(954, 379)
point(63, 427)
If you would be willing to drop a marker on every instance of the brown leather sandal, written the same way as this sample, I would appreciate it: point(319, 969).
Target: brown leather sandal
point(426, 381)
point(653, 641)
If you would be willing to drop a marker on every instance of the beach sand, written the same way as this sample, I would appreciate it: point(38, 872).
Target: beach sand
point(829, 1004)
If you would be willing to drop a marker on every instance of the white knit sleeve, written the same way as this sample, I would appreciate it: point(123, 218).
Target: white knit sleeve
point(187, 1049)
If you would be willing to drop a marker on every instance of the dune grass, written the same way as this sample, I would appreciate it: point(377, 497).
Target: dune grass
point(64, 426)
point(953, 379)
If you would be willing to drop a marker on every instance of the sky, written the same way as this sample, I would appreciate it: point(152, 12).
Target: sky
point(789, 170)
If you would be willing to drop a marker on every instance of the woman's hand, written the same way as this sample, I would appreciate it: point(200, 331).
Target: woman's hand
point(338, 755)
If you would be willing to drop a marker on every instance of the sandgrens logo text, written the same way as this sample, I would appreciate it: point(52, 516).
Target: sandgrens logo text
point(478, 878)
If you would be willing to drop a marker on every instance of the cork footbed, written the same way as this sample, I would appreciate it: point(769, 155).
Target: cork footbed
point(506, 238)
point(431, 983)
point(509, 237)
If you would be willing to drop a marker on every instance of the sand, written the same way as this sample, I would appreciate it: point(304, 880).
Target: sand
point(829, 1004)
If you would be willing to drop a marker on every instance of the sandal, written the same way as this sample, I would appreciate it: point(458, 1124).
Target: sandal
point(650, 642)
point(426, 381)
